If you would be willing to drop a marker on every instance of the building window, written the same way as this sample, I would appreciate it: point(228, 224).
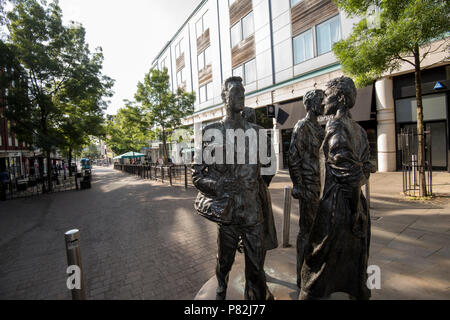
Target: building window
point(206, 92)
point(209, 91)
point(202, 95)
point(242, 29)
point(178, 50)
point(303, 47)
point(204, 59)
point(295, 2)
point(246, 71)
point(239, 72)
point(9, 134)
point(163, 64)
point(202, 25)
point(328, 33)
point(236, 34)
point(181, 76)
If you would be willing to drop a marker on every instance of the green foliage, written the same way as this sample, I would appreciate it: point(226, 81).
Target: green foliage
point(405, 25)
point(3, 11)
point(58, 101)
point(162, 108)
point(128, 131)
point(406, 29)
point(91, 152)
point(262, 119)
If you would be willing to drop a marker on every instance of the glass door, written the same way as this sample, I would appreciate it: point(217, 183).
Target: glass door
point(438, 144)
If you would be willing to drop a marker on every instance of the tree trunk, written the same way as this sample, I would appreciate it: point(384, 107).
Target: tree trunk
point(47, 151)
point(70, 161)
point(164, 146)
point(420, 126)
point(49, 171)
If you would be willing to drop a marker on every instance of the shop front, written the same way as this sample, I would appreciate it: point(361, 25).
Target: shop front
point(290, 112)
point(435, 113)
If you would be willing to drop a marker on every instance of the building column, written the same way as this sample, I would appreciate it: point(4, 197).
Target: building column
point(385, 125)
point(278, 147)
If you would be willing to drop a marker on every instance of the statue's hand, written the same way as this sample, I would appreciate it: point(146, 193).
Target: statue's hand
point(226, 185)
point(297, 192)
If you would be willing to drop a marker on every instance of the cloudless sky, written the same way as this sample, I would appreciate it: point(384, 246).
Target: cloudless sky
point(131, 34)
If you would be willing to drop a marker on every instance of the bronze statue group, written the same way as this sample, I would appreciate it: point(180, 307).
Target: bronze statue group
point(327, 168)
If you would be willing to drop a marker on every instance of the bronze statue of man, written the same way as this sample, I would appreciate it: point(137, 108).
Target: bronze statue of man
point(270, 232)
point(229, 195)
point(338, 251)
point(304, 169)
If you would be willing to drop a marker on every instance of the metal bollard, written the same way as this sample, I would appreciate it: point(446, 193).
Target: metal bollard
point(170, 175)
point(185, 177)
point(286, 215)
point(72, 238)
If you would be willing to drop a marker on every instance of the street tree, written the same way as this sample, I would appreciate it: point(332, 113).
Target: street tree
point(128, 130)
point(163, 108)
point(60, 74)
point(92, 151)
point(82, 103)
point(405, 31)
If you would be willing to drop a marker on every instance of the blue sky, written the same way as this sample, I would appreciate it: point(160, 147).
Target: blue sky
point(131, 34)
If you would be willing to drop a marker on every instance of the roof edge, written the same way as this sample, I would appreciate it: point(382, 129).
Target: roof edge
point(179, 30)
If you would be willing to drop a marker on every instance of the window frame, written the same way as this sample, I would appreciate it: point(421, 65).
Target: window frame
point(240, 34)
point(208, 96)
point(202, 19)
point(163, 63)
point(180, 72)
point(203, 53)
point(244, 74)
point(241, 29)
point(296, 3)
point(315, 41)
point(338, 16)
point(253, 25)
point(313, 45)
point(178, 49)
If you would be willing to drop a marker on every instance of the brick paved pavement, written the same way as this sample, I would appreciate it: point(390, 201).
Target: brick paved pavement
point(139, 240)
point(142, 240)
point(410, 239)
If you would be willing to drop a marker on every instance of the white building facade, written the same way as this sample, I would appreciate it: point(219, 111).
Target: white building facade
point(281, 49)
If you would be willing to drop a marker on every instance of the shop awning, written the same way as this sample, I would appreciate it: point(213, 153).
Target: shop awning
point(290, 113)
point(294, 111)
point(363, 105)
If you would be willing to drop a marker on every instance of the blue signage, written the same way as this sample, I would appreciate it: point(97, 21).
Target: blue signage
point(439, 86)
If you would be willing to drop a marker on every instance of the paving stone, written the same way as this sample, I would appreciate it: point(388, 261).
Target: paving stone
point(142, 240)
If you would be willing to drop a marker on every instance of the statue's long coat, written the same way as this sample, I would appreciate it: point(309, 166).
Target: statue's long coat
point(337, 256)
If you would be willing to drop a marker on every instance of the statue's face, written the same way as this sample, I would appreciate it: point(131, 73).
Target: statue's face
point(318, 106)
point(331, 101)
point(236, 97)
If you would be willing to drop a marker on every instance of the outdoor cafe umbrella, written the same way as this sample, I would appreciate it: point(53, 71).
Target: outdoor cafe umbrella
point(129, 155)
